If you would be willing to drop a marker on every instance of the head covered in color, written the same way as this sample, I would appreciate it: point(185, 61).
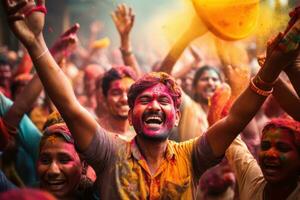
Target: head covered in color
point(154, 102)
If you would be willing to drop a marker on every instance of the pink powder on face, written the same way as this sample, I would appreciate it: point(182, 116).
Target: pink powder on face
point(155, 101)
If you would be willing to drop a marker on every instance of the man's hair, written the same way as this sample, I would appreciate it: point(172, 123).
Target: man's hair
point(291, 125)
point(203, 69)
point(150, 80)
point(113, 74)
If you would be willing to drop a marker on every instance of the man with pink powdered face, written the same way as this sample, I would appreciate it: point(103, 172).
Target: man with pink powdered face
point(149, 166)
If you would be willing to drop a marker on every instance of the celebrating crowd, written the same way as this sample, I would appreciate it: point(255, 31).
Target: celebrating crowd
point(84, 131)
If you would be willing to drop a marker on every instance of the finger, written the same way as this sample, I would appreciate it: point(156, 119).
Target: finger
point(126, 9)
point(130, 12)
point(132, 20)
point(119, 8)
point(274, 39)
point(123, 9)
point(273, 43)
point(114, 17)
point(41, 3)
point(15, 18)
point(118, 13)
point(71, 30)
point(193, 50)
point(261, 60)
point(278, 38)
point(68, 40)
point(14, 9)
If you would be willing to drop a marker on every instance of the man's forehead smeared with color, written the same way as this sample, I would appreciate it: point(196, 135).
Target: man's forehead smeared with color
point(285, 123)
point(151, 79)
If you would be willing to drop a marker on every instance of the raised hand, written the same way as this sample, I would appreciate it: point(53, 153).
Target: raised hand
point(26, 24)
point(123, 18)
point(276, 59)
point(219, 104)
point(196, 55)
point(96, 27)
point(238, 78)
point(66, 43)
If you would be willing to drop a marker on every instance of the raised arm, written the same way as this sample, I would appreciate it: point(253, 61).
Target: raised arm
point(123, 18)
point(287, 98)
point(284, 93)
point(293, 72)
point(221, 134)
point(184, 40)
point(29, 30)
point(26, 99)
point(184, 70)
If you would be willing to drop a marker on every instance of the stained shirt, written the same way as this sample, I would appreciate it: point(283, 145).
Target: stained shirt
point(28, 142)
point(123, 173)
point(249, 176)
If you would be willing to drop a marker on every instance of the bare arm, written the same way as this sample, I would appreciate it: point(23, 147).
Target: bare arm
point(187, 68)
point(284, 94)
point(221, 134)
point(82, 125)
point(176, 50)
point(234, 61)
point(26, 99)
point(287, 98)
point(123, 18)
point(293, 73)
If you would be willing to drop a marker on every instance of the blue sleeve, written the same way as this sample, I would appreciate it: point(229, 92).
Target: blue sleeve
point(29, 135)
point(5, 184)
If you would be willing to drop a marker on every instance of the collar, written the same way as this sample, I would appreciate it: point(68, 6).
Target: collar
point(135, 151)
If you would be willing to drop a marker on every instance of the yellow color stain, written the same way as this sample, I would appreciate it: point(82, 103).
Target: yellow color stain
point(228, 19)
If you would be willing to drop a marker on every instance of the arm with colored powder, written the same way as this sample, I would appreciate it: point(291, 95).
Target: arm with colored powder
point(28, 30)
point(123, 18)
point(222, 133)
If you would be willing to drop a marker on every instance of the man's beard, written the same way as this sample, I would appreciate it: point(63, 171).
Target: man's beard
point(156, 138)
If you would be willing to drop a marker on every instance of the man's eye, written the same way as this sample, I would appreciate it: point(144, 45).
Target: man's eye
point(265, 145)
point(283, 147)
point(64, 159)
point(164, 101)
point(215, 79)
point(45, 160)
point(115, 92)
point(144, 100)
point(203, 79)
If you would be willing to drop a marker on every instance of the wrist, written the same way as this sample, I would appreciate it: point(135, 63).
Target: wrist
point(268, 73)
point(37, 47)
point(125, 43)
point(259, 88)
point(126, 51)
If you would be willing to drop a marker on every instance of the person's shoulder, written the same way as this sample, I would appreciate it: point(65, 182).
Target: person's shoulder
point(185, 146)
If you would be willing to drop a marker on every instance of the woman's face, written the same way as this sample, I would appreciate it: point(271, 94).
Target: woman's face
point(278, 157)
point(59, 167)
point(207, 84)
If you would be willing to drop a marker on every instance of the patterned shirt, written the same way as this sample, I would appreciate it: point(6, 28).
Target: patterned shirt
point(123, 173)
